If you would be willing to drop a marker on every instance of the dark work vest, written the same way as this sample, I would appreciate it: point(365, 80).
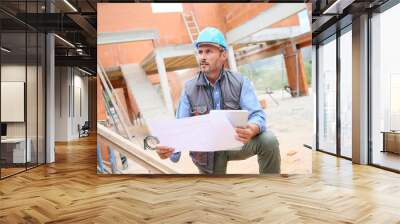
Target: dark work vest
point(201, 102)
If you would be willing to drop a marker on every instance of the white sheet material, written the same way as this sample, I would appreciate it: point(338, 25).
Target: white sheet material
point(211, 132)
point(238, 118)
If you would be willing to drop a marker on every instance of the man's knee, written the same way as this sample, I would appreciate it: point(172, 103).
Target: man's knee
point(269, 158)
point(267, 141)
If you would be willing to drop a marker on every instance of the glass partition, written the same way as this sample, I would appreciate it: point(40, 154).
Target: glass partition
point(13, 94)
point(31, 97)
point(41, 109)
point(22, 88)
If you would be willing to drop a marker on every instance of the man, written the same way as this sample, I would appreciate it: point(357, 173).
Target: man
point(215, 88)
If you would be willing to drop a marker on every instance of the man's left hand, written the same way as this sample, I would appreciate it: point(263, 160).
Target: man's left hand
point(246, 134)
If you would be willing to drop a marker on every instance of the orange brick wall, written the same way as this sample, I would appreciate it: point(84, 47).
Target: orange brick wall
point(207, 14)
point(125, 53)
point(101, 110)
point(128, 16)
point(114, 17)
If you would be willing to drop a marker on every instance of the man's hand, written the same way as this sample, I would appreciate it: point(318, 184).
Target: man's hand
point(245, 134)
point(164, 151)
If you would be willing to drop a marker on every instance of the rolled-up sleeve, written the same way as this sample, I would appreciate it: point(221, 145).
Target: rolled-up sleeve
point(183, 110)
point(249, 102)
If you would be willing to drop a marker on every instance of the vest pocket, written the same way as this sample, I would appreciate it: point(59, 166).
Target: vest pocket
point(199, 110)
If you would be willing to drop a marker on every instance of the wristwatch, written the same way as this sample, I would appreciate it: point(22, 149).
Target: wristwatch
point(150, 142)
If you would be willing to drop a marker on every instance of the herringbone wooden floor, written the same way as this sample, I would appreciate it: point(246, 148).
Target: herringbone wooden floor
point(70, 191)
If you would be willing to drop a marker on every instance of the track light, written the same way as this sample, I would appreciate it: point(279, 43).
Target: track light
point(65, 41)
point(84, 71)
point(337, 7)
point(70, 5)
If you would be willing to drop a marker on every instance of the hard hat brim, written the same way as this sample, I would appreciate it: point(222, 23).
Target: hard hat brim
point(210, 43)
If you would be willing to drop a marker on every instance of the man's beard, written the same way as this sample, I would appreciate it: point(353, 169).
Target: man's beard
point(205, 67)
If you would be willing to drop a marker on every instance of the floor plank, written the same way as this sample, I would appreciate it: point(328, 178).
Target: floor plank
point(70, 191)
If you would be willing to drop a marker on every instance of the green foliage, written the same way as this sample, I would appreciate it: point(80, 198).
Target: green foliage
point(270, 73)
point(307, 68)
point(266, 73)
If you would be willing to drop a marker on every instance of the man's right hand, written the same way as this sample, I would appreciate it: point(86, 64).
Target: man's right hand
point(164, 151)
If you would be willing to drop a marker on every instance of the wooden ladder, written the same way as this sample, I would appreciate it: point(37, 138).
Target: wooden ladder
point(191, 25)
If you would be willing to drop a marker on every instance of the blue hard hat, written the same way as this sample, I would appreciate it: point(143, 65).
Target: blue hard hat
point(211, 35)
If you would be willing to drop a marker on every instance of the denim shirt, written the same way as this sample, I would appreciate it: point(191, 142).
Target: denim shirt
point(248, 101)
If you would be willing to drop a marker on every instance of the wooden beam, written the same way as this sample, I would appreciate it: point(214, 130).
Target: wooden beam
point(269, 51)
point(296, 76)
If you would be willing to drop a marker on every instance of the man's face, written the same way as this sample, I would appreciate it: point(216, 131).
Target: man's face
point(211, 58)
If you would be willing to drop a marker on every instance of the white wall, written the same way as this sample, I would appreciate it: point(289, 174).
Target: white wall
point(62, 80)
point(80, 83)
point(69, 85)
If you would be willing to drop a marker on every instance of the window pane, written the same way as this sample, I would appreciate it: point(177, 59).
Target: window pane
point(327, 97)
point(346, 93)
point(386, 89)
point(266, 74)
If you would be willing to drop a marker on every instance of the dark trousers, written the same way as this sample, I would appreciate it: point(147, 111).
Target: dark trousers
point(264, 145)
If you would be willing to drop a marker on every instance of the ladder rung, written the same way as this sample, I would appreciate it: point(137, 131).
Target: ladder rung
point(191, 25)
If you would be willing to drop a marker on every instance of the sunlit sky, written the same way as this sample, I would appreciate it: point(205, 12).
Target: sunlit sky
point(166, 7)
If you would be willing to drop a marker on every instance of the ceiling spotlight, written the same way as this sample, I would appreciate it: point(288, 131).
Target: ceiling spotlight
point(5, 50)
